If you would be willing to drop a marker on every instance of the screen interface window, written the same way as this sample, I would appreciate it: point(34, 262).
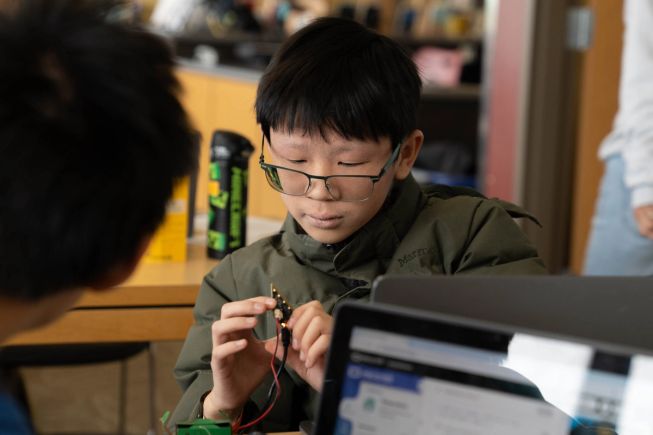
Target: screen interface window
point(401, 384)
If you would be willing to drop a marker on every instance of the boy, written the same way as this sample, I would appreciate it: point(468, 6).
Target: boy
point(92, 138)
point(337, 99)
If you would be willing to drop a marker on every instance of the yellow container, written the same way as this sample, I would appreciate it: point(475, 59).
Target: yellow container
point(169, 241)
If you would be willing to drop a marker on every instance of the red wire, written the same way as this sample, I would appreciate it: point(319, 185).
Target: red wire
point(237, 427)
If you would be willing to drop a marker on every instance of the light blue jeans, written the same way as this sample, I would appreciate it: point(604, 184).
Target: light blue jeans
point(615, 246)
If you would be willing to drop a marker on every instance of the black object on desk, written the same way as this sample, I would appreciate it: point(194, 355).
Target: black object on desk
point(227, 193)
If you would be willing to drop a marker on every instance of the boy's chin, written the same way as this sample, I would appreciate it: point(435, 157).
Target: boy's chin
point(328, 237)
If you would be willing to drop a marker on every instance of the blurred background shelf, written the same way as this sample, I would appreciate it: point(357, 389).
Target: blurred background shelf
point(460, 92)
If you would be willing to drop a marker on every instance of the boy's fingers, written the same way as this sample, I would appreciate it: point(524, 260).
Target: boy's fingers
point(315, 328)
point(302, 322)
point(318, 350)
point(292, 360)
point(299, 311)
point(312, 375)
point(247, 307)
point(221, 329)
point(222, 351)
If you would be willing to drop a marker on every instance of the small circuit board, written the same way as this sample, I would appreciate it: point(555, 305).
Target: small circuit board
point(205, 427)
point(283, 310)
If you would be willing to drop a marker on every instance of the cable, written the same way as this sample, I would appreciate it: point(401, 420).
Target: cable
point(237, 427)
point(273, 386)
point(282, 314)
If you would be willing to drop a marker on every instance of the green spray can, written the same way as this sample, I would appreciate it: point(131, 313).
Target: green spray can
point(227, 193)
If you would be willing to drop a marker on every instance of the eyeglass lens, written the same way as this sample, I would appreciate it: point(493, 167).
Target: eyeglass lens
point(341, 188)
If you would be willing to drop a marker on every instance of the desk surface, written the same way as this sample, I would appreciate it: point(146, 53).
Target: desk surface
point(155, 285)
point(155, 304)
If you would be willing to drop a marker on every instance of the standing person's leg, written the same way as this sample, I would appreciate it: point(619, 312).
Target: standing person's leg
point(615, 246)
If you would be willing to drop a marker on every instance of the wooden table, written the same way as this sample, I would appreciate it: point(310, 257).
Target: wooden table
point(155, 304)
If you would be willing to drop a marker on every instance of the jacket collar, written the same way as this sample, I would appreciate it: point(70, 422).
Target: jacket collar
point(367, 253)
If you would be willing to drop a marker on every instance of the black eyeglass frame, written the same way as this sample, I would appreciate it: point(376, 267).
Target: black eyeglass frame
point(374, 178)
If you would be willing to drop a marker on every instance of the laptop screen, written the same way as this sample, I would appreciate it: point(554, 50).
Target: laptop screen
point(400, 374)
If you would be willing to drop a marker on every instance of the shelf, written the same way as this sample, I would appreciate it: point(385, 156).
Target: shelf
point(460, 92)
point(438, 41)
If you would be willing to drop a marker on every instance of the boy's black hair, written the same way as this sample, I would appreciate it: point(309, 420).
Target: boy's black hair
point(92, 137)
point(336, 75)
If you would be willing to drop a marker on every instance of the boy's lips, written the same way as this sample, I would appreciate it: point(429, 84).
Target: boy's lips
point(324, 221)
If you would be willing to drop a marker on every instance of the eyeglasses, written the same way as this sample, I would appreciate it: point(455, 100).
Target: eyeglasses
point(348, 188)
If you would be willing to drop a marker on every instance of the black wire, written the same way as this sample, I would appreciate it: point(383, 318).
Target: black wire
point(273, 387)
point(285, 338)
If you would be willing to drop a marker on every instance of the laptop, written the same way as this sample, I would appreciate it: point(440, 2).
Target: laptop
point(608, 310)
point(396, 370)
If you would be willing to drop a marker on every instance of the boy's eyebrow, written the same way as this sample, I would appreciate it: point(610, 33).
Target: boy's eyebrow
point(335, 149)
point(342, 149)
point(291, 145)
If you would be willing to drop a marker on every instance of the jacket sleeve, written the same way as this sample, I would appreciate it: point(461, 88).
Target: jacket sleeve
point(193, 368)
point(496, 245)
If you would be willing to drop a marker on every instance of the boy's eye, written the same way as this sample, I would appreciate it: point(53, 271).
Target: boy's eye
point(351, 164)
point(296, 162)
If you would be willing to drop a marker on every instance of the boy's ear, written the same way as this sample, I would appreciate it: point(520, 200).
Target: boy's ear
point(409, 151)
point(123, 270)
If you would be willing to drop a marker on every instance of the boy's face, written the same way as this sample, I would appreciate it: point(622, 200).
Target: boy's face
point(323, 218)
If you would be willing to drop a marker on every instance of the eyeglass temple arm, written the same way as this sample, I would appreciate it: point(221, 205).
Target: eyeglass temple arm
point(261, 159)
point(391, 161)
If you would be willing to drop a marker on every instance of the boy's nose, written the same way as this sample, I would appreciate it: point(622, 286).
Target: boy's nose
point(318, 190)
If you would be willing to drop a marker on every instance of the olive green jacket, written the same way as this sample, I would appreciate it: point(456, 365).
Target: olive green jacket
point(431, 231)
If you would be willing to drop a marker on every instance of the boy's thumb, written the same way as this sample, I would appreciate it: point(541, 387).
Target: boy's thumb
point(292, 359)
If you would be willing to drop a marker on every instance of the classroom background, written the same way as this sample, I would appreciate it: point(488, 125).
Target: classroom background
point(518, 95)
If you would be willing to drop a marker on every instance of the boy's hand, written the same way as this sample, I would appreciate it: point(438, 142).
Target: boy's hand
point(311, 330)
point(239, 361)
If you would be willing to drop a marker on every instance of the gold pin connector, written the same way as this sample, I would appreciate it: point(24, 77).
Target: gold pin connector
point(283, 310)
